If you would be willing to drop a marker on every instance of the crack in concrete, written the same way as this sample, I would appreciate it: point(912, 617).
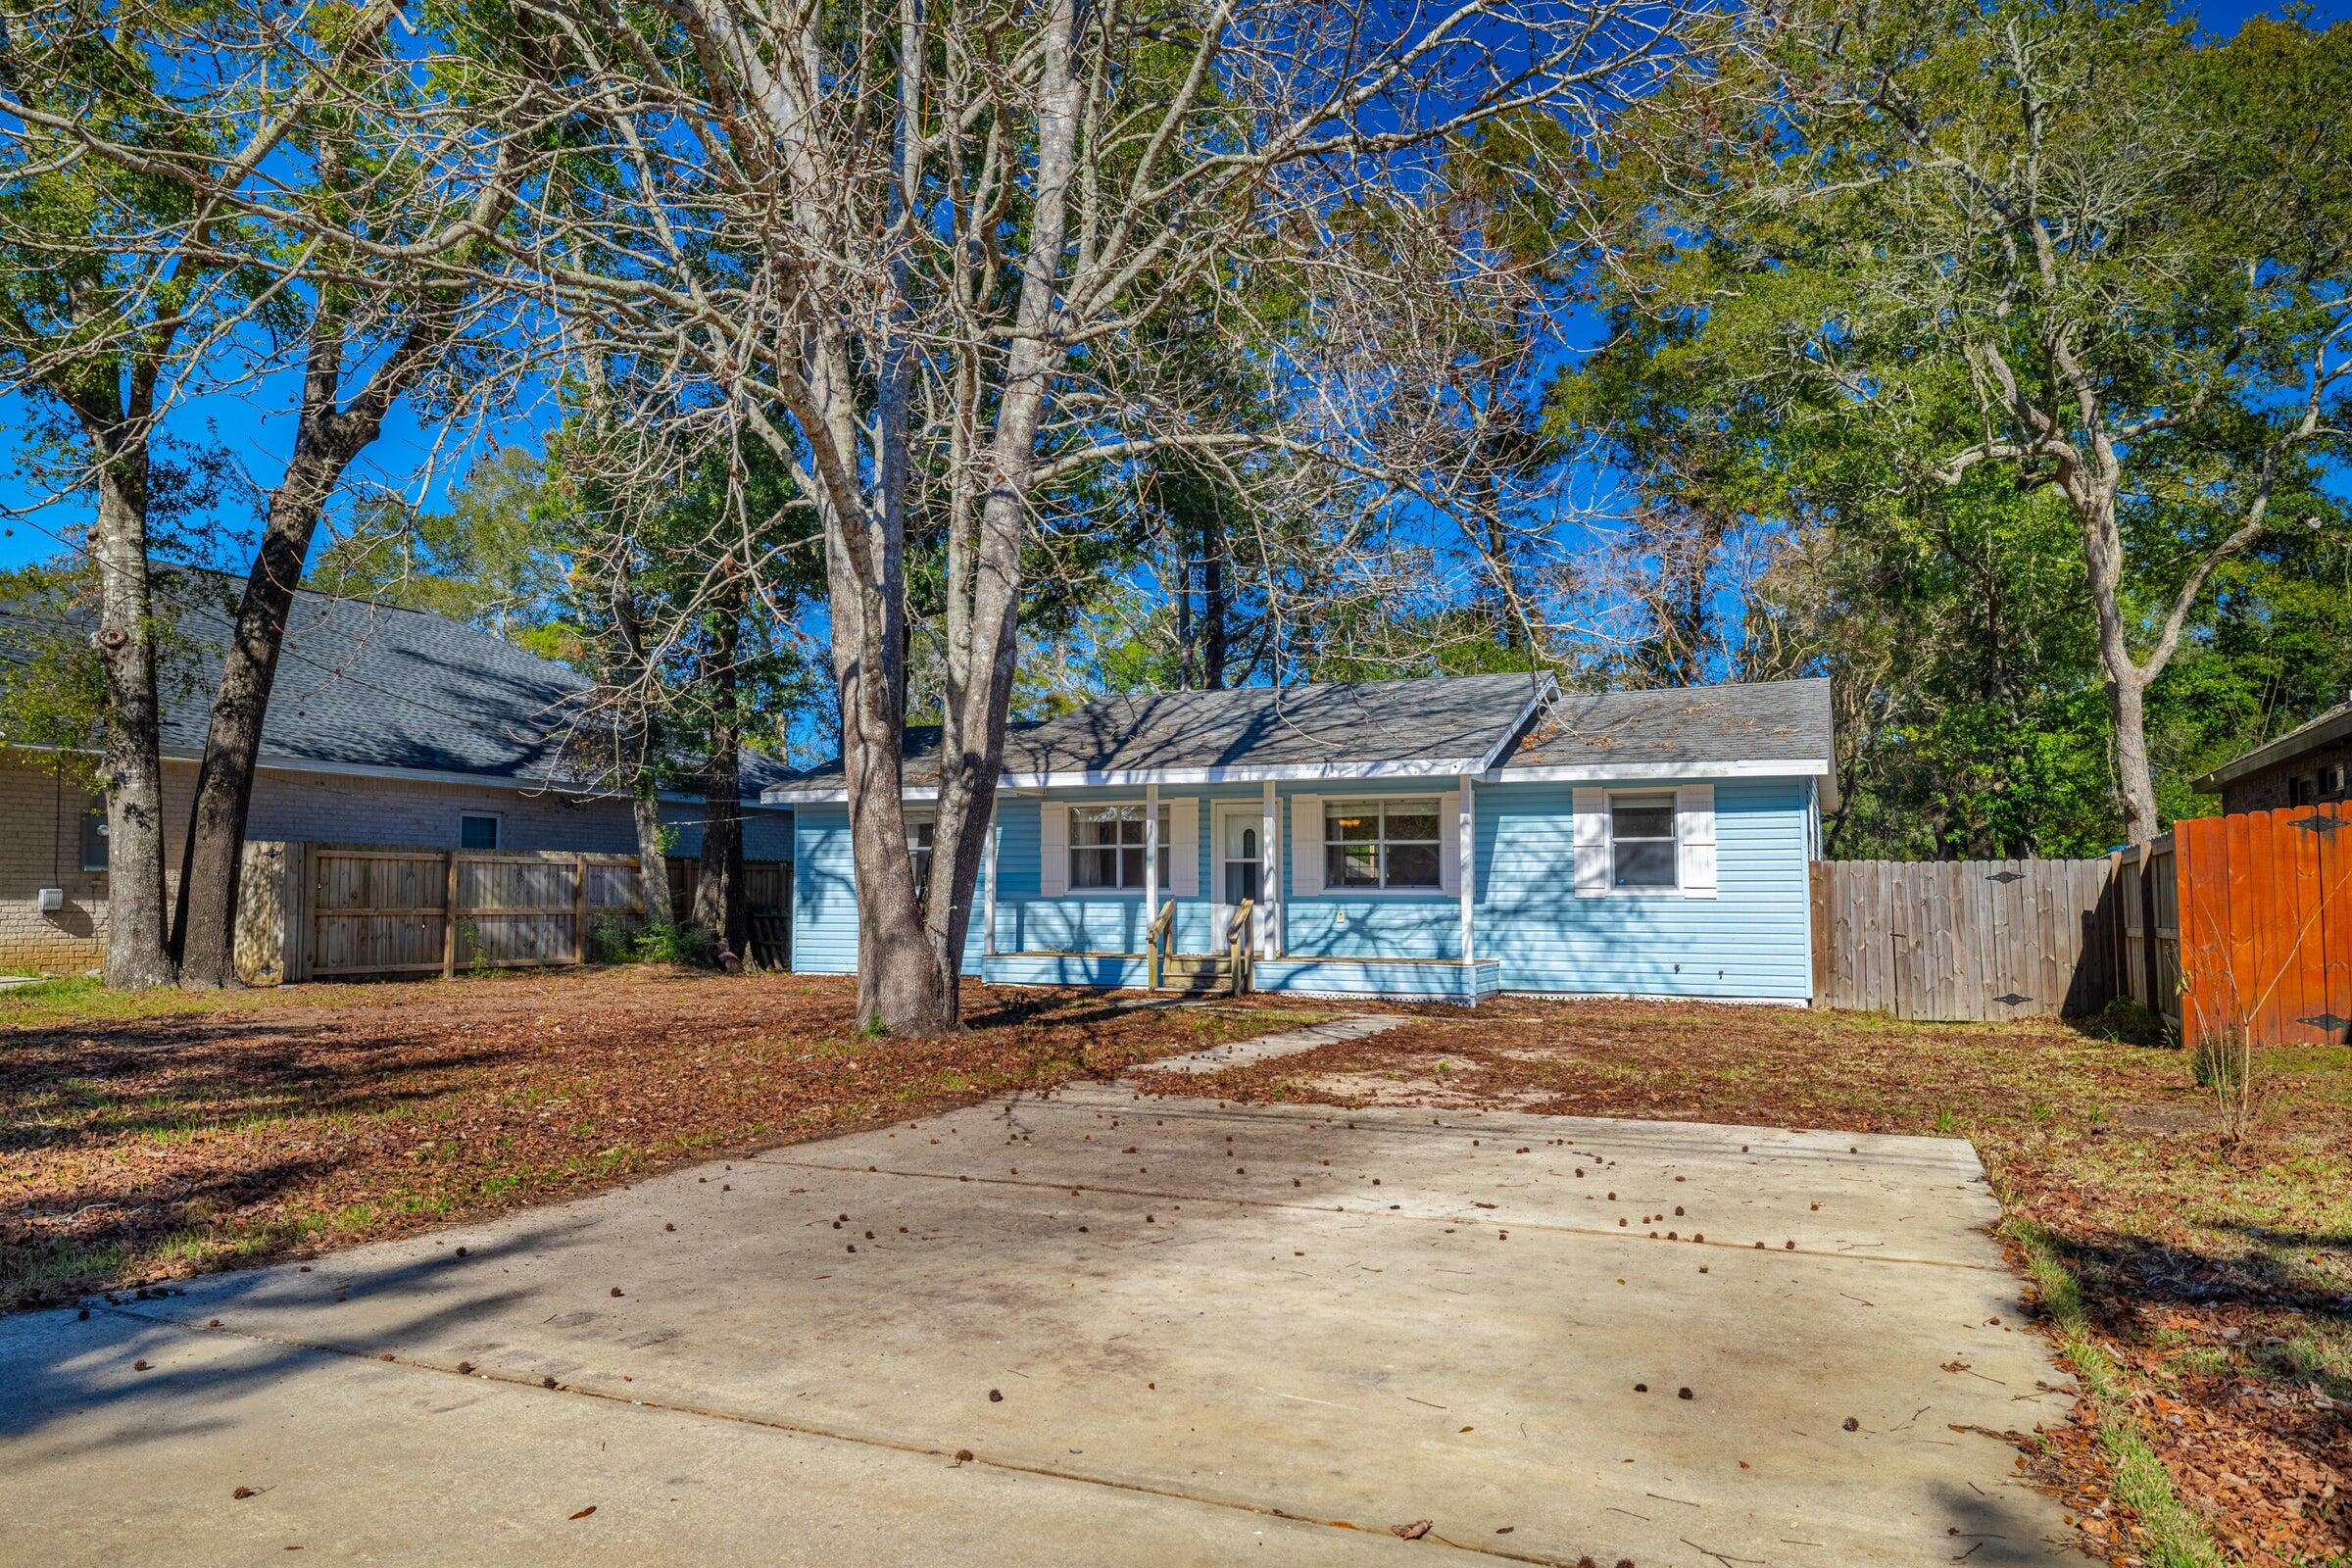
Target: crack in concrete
point(531, 1385)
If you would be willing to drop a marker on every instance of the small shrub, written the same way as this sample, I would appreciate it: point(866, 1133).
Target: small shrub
point(655, 942)
point(2220, 1062)
point(2223, 1064)
point(2129, 1021)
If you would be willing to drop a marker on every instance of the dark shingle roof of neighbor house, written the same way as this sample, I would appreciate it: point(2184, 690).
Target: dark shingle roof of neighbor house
point(1763, 722)
point(2331, 725)
point(1433, 724)
point(366, 685)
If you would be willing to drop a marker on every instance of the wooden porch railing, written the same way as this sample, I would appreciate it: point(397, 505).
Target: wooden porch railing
point(1156, 942)
point(1237, 946)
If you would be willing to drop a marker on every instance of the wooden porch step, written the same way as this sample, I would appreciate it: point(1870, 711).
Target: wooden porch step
point(1196, 971)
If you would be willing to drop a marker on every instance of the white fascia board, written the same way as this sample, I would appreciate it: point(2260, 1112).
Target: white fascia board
point(1618, 772)
point(1547, 689)
point(1135, 778)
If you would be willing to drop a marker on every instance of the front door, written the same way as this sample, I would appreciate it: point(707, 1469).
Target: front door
point(1239, 862)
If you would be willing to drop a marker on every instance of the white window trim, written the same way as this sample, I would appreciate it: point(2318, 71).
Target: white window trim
point(1071, 848)
point(499, 821)
point(1672, 840)
point(914, 820)
point(1355, 890)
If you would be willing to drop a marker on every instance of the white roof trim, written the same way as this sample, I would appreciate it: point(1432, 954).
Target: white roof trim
point(1129, 778)
point(1588, 774)
point(1611, 773)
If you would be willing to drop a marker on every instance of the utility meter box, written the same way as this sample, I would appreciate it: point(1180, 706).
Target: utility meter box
point(51, 900)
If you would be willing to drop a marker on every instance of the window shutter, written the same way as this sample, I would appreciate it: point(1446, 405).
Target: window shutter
point(1592, 843)
point(1449, 844)
point(1184, 848)
point(1053, 849)
point(1694, 834)
point(1306, 845)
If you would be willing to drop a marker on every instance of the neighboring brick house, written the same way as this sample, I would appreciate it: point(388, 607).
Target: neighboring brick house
point(2302, 767)
point(386, 726)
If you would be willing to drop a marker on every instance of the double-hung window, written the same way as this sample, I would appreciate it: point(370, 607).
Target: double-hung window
point(1107, 848)
point(1641, 854)
point(919, 831)
point(1381, 844)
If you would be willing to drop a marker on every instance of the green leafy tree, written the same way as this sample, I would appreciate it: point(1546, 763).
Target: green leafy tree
point(2063, 247)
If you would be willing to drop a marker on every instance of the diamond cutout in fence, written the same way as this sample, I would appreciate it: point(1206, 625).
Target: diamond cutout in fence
point(2006, 876)
point(2327, 1020)
point(2318, 823)
point(2011, 1000)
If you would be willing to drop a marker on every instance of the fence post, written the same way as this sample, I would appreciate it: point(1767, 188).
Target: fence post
point(449, 915)
point(579, 909)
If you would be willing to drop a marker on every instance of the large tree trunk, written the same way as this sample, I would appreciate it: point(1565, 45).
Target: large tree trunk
point(326, 439)
point(2127, 700)
point(1216, 609)
point(719, 887)
point(640, 749)
point(211, 859)
point(972, 740)
point(131, 765)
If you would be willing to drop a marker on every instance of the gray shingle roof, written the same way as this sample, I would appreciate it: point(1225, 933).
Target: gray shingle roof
point(1763, 722)
point(368, 685)
point(1437, 722)
point(2333, 724)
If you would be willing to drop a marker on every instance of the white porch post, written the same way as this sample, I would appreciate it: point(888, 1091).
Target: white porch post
point(1269, 877)
point(1151, 856)
point(988, 902)
point(1467, 849)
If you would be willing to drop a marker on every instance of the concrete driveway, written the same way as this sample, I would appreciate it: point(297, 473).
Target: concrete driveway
point(1093, 1328)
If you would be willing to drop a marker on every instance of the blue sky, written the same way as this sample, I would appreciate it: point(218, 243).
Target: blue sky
point(253, 427)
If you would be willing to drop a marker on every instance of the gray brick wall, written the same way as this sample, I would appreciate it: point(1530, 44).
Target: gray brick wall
point(40, 839)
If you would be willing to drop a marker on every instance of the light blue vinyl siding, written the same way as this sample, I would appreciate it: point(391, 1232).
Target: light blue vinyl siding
point(1355, 924)
point(1750, 941)
point(1444, 980)
point(1753, 939)
point(824, 895)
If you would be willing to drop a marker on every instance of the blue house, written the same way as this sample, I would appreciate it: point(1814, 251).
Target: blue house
point(1444, 838)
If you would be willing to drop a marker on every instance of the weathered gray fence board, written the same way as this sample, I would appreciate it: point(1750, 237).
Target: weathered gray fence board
point(1965, 940)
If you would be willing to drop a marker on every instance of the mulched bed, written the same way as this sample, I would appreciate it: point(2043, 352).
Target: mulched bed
point(188, 1134)
point(2219, 1275)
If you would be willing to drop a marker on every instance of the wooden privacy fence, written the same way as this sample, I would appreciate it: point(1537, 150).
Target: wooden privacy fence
point(388, 910)
point(2246, 921)
point(323, 910)
point(1964, 940)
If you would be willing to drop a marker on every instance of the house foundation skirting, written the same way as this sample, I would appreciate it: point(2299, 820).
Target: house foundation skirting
point(1295, 975)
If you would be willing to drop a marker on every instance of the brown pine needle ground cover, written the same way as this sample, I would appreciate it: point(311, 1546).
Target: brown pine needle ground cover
point(2218, 1278)
point(148, 1137)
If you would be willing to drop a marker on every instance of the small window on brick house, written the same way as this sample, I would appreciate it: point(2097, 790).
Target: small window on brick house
point(2336, 781)
point(93, 839)
point(477, 830)
point(2303, 790)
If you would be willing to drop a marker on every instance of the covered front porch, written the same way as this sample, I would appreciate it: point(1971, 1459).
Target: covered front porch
point(1220, 888)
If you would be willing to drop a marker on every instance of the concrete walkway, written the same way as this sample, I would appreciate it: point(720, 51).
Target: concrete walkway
point(1164, 1331)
